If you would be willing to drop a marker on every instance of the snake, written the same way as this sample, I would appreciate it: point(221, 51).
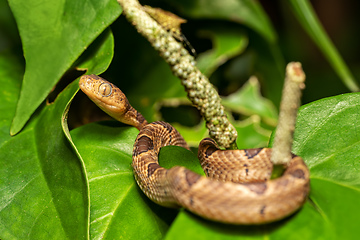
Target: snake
point(237, 188)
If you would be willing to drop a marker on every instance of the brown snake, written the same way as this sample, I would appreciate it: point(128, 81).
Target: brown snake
point(237, 189)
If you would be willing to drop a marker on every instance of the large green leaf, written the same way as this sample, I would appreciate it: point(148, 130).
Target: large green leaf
point(54, 34)
point(10, 77)
point(327, 136)
point(331, 123)
point(44, 189)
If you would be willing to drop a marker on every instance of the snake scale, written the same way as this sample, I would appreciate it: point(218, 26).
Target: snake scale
point(237, 189)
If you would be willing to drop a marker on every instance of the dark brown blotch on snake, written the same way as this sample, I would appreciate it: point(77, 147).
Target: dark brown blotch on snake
point(191, 177)
point(143, 144)
point(258, 188)
point(210, 151)
point(165, 125)
point(251, 153)
point(262, 210)
point(298, 173)
point(246, 169)
point(140, 117)
point(152, 167)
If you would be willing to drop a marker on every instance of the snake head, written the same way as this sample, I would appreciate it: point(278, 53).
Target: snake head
point(110, 99)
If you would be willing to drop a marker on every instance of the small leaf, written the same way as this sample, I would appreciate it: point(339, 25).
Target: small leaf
point(248, 101)
point(192, 135)
point(226, 44)
point(171, 156)
point(251, 134)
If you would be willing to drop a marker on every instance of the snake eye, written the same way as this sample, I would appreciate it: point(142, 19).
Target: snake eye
point(105, 89)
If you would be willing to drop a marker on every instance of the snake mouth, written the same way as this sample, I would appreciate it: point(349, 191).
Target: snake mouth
point(87, 85)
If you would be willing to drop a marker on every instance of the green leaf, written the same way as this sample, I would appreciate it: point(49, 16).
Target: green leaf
point(171, 156)
point(116, 201)
point(226, 44)
point(327, 137)
point(43, 187)
point(97, 58)
point(54, 34)
point(248, 101)
point(192, 135)
point(327, 134)
point(308, 19)
point(251, 134)
point(10, 78)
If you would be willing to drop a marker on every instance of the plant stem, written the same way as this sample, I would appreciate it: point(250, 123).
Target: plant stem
point(290, 102)
point(199, 90)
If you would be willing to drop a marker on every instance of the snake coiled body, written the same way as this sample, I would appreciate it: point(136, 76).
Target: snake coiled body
point(237, 189)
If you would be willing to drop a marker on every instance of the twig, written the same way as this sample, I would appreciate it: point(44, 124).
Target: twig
point(290, 102)
point(199, 90)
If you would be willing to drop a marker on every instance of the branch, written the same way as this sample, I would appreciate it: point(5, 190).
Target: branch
point(290, 102)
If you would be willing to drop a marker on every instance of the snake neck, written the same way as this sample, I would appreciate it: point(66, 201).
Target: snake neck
point(134, 118)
